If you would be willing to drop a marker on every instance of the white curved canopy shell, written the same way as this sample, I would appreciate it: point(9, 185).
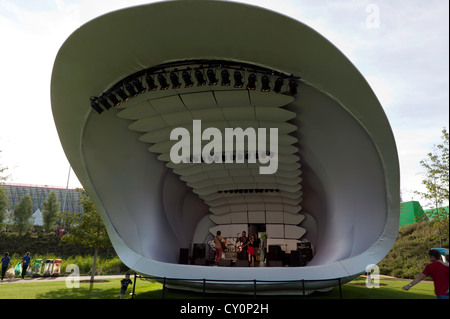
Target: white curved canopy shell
point(337, 183)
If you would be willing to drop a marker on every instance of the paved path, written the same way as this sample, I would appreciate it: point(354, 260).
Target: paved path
point(49, 279)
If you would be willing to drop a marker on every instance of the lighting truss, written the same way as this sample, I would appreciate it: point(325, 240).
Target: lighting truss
point(186, 74)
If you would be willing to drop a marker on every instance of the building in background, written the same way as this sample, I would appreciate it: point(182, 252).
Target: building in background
point(69, 199)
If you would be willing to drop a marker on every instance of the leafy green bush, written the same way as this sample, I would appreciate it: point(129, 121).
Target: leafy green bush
point(409, 255)
point(105, 266)
point(46, 244)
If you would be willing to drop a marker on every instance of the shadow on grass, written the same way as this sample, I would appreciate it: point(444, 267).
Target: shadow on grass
point(85, 291)
point(153, 290)
point(356, 289)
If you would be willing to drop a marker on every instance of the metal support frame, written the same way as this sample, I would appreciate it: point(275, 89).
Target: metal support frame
point(204, 281)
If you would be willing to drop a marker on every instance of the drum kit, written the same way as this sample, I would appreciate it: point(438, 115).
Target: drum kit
point(230, 248)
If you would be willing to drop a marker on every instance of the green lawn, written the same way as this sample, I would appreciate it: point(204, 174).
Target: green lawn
point(58, 290)
point(389, 289)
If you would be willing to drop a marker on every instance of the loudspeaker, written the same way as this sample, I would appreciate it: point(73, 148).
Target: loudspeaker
point(225, 263)
point(275, 248)
point(306, 253)
point(304, 245)
point(275, 253)
point(297, 259)
point(200, 261)
point(242, 263)
point(184, 256)
point(275, 263)
point(199, 251)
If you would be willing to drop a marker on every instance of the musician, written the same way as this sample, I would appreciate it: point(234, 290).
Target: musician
point(219, 242)
point(253, 249)
point(242, 255)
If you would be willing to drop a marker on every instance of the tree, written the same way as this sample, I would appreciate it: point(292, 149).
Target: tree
point(3, 177)
point(23, 215)
point(4, 205)
point(87, 229)
point(4, 201)
point(436, 181)
point(50, 209)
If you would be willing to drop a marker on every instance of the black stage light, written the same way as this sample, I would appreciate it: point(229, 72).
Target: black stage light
point(238, 83)
point(95, 105)
point(138, 85)
point(293, 87)
point(187, 79)
point(212, 77)
point(113, 99)
point(119, 91)
point(130, 88)
point(200, 78)
point(174, 79)
point(225, 78)
point(150, 82)
point(104, 101)
point(265, 84)
point(251, 85)
point(162, 80)
point(278, 84)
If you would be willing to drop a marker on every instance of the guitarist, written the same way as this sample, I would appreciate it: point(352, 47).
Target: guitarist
point(219, 243)
point(243, 247)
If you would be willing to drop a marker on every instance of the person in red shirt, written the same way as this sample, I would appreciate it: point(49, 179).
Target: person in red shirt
point(439, 271)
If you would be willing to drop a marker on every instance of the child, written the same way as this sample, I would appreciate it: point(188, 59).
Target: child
point(6, 261)
point(124, 285)
point(25, 263)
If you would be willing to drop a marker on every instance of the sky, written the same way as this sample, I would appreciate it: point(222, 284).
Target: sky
point(401, 47)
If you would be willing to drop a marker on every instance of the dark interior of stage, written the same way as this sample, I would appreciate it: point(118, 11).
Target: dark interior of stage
point(275, 256)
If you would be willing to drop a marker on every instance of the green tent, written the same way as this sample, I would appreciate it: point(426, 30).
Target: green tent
point(431, 213)
point(410, 213)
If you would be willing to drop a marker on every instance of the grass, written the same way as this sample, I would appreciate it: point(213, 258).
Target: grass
point(58, 290)
point(356, 289)
point(389, 289)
